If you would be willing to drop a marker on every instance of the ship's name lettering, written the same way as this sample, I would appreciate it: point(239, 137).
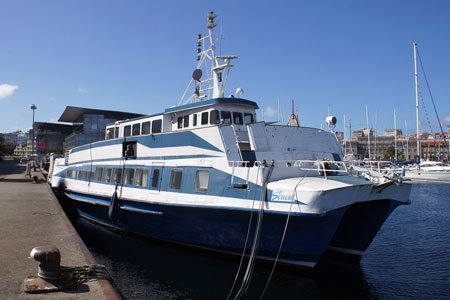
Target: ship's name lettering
point(280, 196)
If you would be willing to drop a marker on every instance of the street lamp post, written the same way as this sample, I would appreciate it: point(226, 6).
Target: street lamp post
point(33, 107)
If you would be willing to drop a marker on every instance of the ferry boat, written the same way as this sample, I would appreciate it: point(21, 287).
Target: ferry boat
point(206, 173)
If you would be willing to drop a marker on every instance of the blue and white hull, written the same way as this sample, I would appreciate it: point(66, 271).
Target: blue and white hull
point(220, 229)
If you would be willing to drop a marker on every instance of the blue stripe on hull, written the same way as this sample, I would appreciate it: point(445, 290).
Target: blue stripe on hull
point(360, 224)
point(225, 230)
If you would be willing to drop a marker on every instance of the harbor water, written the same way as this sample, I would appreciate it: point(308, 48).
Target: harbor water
point(409, 259)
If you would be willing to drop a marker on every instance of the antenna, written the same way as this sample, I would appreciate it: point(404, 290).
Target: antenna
point(216, 68)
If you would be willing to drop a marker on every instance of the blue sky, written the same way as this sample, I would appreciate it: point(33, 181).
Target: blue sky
point(138, 56)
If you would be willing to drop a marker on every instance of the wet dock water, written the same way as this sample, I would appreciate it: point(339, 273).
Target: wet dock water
point(30, 216)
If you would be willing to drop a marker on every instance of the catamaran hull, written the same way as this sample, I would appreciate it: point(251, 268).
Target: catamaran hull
point(359, 226)
point(220, 229)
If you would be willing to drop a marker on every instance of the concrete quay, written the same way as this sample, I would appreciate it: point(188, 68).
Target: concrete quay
point(31, 216)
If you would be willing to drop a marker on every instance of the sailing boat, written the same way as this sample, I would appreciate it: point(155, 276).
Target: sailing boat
point(427, 171)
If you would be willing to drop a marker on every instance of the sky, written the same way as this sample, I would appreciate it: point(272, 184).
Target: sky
point(138, 56)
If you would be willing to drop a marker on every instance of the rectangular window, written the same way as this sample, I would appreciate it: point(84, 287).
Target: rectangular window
point(128, 176)
point(194, 120)
point(155, 178)
point(141, 177)
point(202, 181)
point(186, 121)
point(117, 175)
point(98, 174)
point(136, 129)
point(175, 179)
point(205, 118)
point(248, 118)
point(146, 127)
point(116, 132)
point(107, 172)
point(237, 117)
point(180, 122)
point(127, 130)
point(157, 126)
point(226, 117)
point(110, 133)
point(214, 117)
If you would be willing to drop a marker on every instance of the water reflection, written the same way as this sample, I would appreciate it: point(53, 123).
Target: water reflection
point(149, 269)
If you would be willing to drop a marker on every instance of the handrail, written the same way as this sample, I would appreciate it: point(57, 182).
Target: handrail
point(323, 167)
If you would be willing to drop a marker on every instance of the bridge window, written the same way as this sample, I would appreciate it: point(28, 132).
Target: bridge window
point(237, 117)
point(127, 130)
point(146, 127)
point(214, 117)
point(205, 118)
point(248, 118)
point(157, 126)
point(226, 117)
point(194, 120)
point(180, 122)
point(137, 129)
point(186, 121)
point(175, 179)
point(109, 133)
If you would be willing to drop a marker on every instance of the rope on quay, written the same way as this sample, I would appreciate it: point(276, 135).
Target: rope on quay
point(78, 274)
point(53, 277)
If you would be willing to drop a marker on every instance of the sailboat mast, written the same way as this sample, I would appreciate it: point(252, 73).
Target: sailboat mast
point(395, 132)
point(368, 131)
point(417, 98)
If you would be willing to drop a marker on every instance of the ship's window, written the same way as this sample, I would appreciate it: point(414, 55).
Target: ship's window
point(202, 181)
point(98, 174)
point(180, 122)
point(248, 118)
point(110, 133)
point(237, 117)
point(186, 121)
point(127, 130)
point(128, 176)
point(117, 175)
point(157, 126)
point(146, 127)
point(205, 118)
point(155, 178)
point(214, 117)
point(175, 179)
point(194, 120)
point(116, 132)
point(107, 172)
point(226, 117)
point(137, 129)
point(141, 177)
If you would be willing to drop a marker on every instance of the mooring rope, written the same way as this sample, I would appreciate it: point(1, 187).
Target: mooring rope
point(294, 196)
point(78, 274)
point(251, 264)
point(246, 238)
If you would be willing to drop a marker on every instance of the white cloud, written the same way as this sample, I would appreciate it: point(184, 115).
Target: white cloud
point(270, 112)
point(7, 90)
point(82, 91)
